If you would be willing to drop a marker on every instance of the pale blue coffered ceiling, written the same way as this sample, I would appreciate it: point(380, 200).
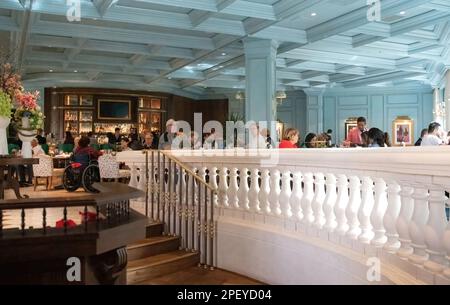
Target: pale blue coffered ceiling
point(194, 47)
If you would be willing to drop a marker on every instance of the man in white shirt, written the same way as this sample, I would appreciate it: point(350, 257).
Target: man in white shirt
point(256, 140)
point(434, 136)
point(37, 149)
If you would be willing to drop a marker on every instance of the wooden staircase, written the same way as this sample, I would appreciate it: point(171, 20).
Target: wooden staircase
point(157, 255)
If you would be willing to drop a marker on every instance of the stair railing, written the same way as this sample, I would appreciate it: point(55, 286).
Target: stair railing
point(183, 200)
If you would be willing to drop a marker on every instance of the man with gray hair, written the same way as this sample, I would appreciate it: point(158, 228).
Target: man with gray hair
point(166, 139)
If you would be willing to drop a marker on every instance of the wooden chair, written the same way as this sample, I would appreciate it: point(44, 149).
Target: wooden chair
point(45, 170)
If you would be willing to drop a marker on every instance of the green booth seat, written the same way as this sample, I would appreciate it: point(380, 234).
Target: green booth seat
point(67, 148)
point(12, 147)
point(45, 148)
point(95, 146)
point(106, 146)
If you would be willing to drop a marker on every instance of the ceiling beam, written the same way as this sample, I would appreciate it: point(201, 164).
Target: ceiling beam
point(104, 5)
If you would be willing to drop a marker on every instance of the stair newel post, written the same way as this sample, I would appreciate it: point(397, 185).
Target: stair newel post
point(351, 211)
point(264, 191)
point(329, 203)
point(318, 200)
point(434, 230)
point(367, 203)
point(285, 194)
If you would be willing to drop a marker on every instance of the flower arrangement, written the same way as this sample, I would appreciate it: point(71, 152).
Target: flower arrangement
point(28, 113)
point(5, 104)
point(10, 81)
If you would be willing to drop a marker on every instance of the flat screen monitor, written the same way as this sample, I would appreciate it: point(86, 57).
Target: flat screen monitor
point(114, 110)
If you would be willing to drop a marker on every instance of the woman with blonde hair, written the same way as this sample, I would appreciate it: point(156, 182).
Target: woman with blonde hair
point(290, 138)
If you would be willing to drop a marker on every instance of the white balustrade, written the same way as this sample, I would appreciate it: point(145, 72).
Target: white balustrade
point(213, 175)
point(391, 216)
point(372, 197)
point(318, 200)
point(351, 211)
point(365, 210)
point(285, 194)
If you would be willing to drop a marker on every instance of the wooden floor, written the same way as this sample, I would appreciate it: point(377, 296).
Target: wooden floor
point(200, 276)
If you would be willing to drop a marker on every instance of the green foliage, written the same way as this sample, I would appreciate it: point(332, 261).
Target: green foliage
point(5, 104)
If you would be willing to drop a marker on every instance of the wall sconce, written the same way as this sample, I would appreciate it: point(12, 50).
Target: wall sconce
point(240, 96)
point(280, 96)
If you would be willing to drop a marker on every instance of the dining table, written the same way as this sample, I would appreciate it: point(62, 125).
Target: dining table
point(7, 179)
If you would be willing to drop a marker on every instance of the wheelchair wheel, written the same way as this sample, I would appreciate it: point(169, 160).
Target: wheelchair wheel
point(91, 175)
point(71, 179)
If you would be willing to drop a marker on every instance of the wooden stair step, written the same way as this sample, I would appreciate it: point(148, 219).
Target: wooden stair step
point(154, 229)
point(153, 246)
point(143, 269)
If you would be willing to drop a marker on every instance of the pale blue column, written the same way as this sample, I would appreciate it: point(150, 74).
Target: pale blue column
point(314, 110)
point(260, 67)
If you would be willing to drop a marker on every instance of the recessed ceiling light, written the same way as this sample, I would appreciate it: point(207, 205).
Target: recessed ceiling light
point(50, 70)
point(224, 54)
point(75, 71)
point(169, 77)
point(313, 14)
point(402, 13)
point(220, 67)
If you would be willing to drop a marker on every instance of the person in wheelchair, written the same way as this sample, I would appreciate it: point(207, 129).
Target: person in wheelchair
point(83, 169)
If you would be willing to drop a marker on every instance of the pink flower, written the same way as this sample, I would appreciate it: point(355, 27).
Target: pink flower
point(28, 100)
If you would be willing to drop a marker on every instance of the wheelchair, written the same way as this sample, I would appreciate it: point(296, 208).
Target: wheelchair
point(81, 172)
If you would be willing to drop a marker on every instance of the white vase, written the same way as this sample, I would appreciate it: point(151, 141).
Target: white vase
point(4, 123)
point(25, 123)
point(26, 136)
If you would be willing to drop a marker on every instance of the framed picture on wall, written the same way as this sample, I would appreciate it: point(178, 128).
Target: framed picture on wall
point(350, 123)
point(403, 131)
point(280, 131)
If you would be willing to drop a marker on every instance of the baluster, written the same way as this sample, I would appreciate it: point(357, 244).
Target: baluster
point(199, 219)
point(223, 188)
point(180, 209)
point(175, 180)
point(152, 184)
point(44, 220)
point(434, 230)
point(65, 219)
point(446, 239)
point(134, 175)
point(417, 225)
point(233, 200)
point(378, 212)
point(1, 223)
point(318, 201)
point(275, 191)
point(329, 203)
point(243, 189)
point(264, 192)
point(391, 217)
point(285, 194)
point(254, 191)
point(213, 182)
point(22, 221)
point(206, 225)
point(351, 211)
point(341, 205)
point(169, 196)
point(367, 203)
point(296, 196)
point(85, 216)
point(159, 187)
point(308, 196)
point(211, 234)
